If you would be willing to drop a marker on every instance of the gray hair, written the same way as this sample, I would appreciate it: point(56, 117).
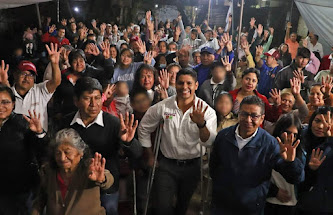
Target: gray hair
point(71, 137)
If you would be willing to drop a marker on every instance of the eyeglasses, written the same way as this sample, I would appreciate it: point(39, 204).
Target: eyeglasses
point(28, 75)
point(5, 102)
point(245, 115)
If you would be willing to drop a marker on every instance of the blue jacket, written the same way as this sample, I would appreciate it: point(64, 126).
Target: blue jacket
point(241, 178)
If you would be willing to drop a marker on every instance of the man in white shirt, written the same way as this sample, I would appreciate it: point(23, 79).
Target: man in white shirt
point(188, 122)
point(314, 45)
point(32, 96)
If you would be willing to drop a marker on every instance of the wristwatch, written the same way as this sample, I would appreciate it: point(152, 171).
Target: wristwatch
point(202, 126)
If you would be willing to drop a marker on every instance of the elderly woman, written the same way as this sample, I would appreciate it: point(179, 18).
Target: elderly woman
point(71, 182)
point(22, 141)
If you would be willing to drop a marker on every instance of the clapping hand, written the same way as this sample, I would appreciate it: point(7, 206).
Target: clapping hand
point(317, 159)
point(127, 127)
point(96, 168)
point(288, 147)
point(34, 122)
point(198, 113)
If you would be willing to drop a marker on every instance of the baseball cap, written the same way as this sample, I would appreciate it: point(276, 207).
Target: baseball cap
point(274, 53)
point(208, 50)
point(134, 38)
point(27, 66)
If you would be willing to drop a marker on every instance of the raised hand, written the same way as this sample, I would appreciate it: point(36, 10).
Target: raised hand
point(156, 39)
point(289, 25)
point(64, 22)
point(260, 29)
point(178, 31)
point(246, 47)
point(198, 113)
point(327, 122)
point(276, 96)
point(288, 147)
point(305, 42)
point(162, 92)
point(326, 85)
point(52, 29)
point(96, 168)
point(141, 46)
point(214, 34)
point(34, 122)
point(221, 43)
point(271, 30)
point(259, 50)
point(72, 19)
point(109, 91)
point(226, 63)
point(4, 73)
point(93, 49)
point(102, 27)
point(299, 75)
point(54, 55)
point(105, 46)
point(227, 41)
point(127, 127)
point(148, 58)
point(163, 78)
point(295, 85)
point(317, 159)
point(198, 29)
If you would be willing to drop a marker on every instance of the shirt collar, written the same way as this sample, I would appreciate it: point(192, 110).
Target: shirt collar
point(249, 138)
point(98, 120)
point(213, 83)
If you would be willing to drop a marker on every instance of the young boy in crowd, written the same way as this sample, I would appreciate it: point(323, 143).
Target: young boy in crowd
point(221, 80)
point(122, 99)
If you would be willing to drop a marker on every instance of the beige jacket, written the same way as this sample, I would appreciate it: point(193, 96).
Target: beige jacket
point(83, 195)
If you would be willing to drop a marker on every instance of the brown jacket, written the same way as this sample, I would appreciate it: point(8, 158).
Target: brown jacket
point(82, 197)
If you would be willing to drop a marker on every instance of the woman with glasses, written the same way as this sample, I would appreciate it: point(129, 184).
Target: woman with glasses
point(250, 79)
point(281, 198)
point(22, 143)
point(316, 192)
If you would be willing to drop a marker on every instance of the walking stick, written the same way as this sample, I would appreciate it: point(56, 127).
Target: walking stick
point(134, 192)
point(156, 150)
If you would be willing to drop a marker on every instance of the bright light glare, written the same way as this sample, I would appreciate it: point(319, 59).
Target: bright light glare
point(76, 9)
point(156, 5)
point(196, 8)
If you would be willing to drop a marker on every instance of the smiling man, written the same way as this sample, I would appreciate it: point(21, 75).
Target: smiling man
point(188, 122)
point(242, 160)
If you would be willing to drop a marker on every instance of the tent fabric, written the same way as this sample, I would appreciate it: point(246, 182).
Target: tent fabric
point(318, 18)
point(5, 4)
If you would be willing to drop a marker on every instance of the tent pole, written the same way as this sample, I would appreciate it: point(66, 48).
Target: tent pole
point(239, 31)
point(58, 9)
point(209, 5)
point(38, 15)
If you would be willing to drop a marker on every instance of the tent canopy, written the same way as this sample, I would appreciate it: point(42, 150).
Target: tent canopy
point(4, 4)
point(318, 18)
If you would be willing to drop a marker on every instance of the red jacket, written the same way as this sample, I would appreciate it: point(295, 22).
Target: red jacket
point(325, 63)
point(272, 113)
point(47, 38)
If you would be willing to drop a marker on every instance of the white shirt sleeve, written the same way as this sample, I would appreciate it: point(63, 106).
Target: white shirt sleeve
point(149, 123)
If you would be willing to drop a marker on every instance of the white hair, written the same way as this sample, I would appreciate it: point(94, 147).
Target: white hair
point(70, 136)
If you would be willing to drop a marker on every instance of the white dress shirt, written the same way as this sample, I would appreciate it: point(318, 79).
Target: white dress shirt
point(98, 120)
point(35, 99)
point(180, 135)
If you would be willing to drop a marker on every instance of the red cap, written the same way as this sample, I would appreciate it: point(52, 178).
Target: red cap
point(274, 53)
point(27, 66)
point(134, 38)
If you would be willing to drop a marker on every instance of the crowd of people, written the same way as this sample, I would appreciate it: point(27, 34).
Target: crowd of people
point(81, 104)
